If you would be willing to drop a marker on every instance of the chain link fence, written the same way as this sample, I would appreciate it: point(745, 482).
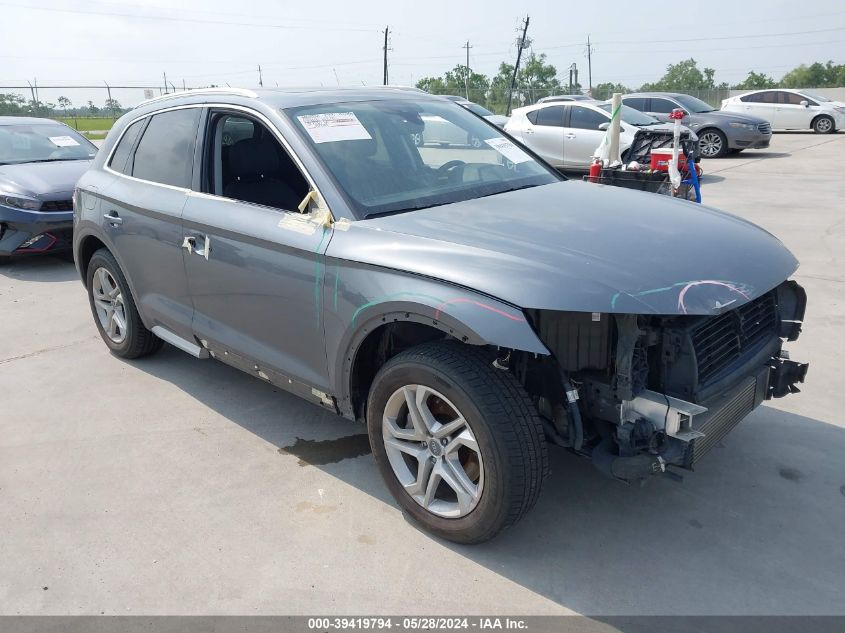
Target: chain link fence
point(495, 100)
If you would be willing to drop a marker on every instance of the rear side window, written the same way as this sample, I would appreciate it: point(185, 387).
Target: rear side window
point(638, 103)
point(166, 152)
point(532, 116)
point(757, 97)
point(120, 159)
point(552, 116)
point(769, 97)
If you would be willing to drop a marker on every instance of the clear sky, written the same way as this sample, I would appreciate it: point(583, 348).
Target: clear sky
point(339, 41)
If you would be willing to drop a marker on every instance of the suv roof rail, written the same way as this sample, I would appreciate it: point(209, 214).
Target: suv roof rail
point(242, 92)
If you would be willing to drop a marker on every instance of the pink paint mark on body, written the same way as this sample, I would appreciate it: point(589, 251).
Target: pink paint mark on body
point(439, 310)
point(707, 282)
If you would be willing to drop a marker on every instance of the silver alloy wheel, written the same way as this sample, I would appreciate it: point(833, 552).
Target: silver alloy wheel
point(433, 451)
point(108, 301)
point(823, 125)
point(710, 144)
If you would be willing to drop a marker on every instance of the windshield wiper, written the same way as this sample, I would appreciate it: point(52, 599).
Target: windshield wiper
point(53, 160)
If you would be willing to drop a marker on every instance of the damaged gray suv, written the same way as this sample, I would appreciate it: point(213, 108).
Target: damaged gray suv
point(468, 304)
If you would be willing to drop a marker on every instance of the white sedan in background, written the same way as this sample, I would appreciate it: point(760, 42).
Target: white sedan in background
point(567, 135)
point(790, 109)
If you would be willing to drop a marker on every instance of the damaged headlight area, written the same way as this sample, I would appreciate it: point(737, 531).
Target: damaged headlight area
point(641, 393)
point(19, 202)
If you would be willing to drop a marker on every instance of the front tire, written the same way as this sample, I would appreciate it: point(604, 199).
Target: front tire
point(712, 143)
point(823, 125)
point(458, 442)
point(114, 310)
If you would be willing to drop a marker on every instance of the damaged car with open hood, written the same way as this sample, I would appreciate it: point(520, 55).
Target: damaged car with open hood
point(470, 305)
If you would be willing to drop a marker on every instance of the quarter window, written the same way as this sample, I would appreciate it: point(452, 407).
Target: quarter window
point(120, 159)
point(551, 116)
point(166, 152)
point(585, 118)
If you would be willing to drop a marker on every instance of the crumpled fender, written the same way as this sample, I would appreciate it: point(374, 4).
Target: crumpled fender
point(358, 298)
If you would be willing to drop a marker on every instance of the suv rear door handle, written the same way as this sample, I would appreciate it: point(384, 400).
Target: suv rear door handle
point(112, 218)
point(190, 243)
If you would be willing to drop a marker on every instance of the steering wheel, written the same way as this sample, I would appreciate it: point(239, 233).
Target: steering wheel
point(450, 170)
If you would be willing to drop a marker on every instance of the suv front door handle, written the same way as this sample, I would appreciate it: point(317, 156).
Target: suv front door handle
point(113, 218)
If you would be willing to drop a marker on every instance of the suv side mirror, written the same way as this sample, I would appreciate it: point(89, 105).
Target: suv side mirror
point(604, 126)
point(805, 103)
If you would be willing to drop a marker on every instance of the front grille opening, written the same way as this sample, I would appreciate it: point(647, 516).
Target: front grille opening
point(57, 205)
point(720, 341)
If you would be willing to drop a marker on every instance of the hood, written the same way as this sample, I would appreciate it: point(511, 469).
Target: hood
point(726, 116)
point(42, 179)
point(662, 127)
point(497, 119)
point(582, 247)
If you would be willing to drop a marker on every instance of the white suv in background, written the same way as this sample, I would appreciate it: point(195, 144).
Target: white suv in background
point(790, 109)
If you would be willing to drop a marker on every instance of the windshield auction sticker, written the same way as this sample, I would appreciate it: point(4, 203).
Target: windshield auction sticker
point(508, 150)
point(329, 127)
point(63, 141)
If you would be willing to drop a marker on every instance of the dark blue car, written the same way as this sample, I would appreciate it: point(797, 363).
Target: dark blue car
point(40, 162)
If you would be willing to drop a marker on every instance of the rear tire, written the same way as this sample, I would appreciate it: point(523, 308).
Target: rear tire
point(823, 125)
point(114, 310)
point(454, 386)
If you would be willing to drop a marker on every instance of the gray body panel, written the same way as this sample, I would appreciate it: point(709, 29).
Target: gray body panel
point(298, 303)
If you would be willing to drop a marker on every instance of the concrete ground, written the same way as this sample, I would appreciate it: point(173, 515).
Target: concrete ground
point(177, 486)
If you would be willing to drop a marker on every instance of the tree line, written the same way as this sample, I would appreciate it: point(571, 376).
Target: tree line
point(15, 104)
point(537, 78)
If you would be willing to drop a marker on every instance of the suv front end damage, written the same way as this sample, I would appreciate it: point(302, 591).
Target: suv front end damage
point(652, 392)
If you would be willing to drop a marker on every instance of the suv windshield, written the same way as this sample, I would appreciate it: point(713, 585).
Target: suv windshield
point(632, 116)
point(694, 105)
point(42, 142)
point(400, 154)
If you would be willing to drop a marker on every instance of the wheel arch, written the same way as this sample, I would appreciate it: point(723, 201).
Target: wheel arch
point(88, 242)
point(399, 326)
point(822, 115)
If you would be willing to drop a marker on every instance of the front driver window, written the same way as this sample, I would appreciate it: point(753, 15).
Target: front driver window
point(249, 164)
point(585, 118)
point(662, 106)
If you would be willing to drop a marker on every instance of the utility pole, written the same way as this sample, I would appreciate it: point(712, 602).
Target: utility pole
point(386, 33)
point(260, 79)
point(466, 77)
point(590, 65)
point(164, 74)
point(111, 103)
point(516, 67)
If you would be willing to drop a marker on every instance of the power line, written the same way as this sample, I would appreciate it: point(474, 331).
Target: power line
point(178, 19)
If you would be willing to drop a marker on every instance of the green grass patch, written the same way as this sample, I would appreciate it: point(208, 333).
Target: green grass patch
point(95, 136)
point(86, 124)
